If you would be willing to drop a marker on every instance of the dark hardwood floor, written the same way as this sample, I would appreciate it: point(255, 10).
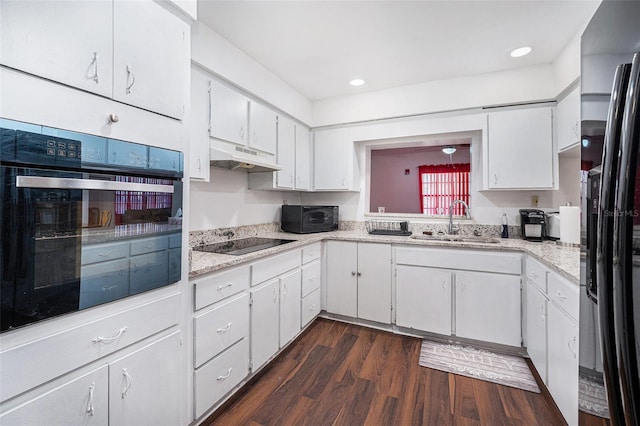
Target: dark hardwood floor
point(342, 374)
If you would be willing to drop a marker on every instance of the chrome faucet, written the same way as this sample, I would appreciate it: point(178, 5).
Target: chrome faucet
point(467, 210)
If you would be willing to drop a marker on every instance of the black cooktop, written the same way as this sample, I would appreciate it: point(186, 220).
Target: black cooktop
point(242, 246)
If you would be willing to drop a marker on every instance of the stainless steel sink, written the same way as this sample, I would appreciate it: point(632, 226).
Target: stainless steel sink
point(457, 239)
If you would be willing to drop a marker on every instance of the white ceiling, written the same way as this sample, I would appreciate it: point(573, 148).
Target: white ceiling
point(318, 46)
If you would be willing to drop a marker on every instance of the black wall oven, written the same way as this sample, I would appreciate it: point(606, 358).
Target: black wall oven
point(85, 220)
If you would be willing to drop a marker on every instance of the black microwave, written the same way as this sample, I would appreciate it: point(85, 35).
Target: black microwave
point(309, 219)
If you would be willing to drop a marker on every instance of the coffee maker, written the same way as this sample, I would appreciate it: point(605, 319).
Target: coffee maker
point(533, 224)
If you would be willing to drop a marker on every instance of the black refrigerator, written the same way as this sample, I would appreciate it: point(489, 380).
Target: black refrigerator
point(610, 278)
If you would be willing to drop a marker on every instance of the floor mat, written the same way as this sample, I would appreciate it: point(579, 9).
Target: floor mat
point(478, 363)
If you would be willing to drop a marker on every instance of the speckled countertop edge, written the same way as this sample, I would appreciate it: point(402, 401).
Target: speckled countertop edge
point(564, 260)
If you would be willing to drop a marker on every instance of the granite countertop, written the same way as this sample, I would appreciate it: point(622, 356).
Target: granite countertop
point(565, 260)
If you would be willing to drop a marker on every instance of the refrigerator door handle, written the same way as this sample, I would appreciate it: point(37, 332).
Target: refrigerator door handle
point(604, 241)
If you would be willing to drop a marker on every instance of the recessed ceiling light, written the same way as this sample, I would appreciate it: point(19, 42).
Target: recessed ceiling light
point(520, 51)
point(356, 82)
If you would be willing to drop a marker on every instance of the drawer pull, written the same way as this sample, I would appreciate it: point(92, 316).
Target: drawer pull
point(90, 409)
point(226, 376)
point(127, 382)
point(224, 330)
point(312, 307)
point(110, 339)
point(312, 278)
point(560, 296)
point(222, 287)
point(533, 274)
point(105, 254)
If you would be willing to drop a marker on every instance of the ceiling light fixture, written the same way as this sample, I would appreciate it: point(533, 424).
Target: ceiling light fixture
point(356, 82)
point(449, 150)
point(520, 51)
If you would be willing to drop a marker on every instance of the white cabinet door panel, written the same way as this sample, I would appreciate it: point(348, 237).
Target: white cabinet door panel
point(537, 329)
point(310, 307)
point(286, 155)
point(303, 158)
point(151, 48)
point(65, 41)
point(263, 127)
point(423, 299)
point(144, 386)
point(333, 159)
point(290, 289)
point(265, 322)
point(342, 280)
point(374, 282)
point(488, 307)
point(228, 114)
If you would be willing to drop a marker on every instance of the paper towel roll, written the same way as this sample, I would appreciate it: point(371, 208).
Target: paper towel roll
point(570, 224)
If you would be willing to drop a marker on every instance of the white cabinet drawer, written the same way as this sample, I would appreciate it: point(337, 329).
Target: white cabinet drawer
point(310, 306)
point(536, 273)
point(215, 287)
point(216, 378)
point(565, 294)
point(219, 328)
point(273, 266)
point(474, 260)
point(104, 252)
point(310, 277)
point(311, 253)
point(69, 349)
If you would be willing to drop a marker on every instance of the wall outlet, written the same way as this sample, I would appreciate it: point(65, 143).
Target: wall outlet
point(534, 201)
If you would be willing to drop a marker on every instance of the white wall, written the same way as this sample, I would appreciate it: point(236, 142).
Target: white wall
point(517, 86)
point(210, 50)
point(226, 201)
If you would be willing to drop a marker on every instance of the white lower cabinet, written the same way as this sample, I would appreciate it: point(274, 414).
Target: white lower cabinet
point(467, 293)
point(290, 290)
point(144, 385)
point(359, 280)
point(310, 307)
point(265, 324)
point(563, 362)
point(423, 298)
point(82, 401)
point(536, 319)
point(488, 307)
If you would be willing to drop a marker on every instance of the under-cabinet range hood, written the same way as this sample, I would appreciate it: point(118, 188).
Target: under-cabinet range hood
point(235, 157)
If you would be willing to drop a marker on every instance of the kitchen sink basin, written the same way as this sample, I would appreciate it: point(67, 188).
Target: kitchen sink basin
point(242, 246)
point(456, 239)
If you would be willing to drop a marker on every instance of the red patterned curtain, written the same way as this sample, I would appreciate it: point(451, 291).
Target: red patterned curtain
point(441, 184)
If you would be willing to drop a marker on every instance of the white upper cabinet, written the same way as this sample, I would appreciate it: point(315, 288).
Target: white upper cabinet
point(263, 128)
point(134, 52)
point(199, 126)
point(286, 157)
point(519, 151)
point(335, 163)
point(65, 41)
point(151, 53)
point(303, 158)
point(228, 114)
point(568, 120)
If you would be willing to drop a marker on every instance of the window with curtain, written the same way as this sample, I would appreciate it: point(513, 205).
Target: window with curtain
point(441, 184)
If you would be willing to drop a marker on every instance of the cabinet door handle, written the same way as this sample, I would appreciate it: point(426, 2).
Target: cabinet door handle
point(533, 274)
point(284, 290)
point(90, 408)
point(127, 382)
point(226, 376)
point(359, 274)
point(110, 339)
point(209, 106)
point(353, 274)
point(275, 294)
point(242, 133)
point(199, 165)
point(572, 349)
point(560, 296)
point(132, 77)
point(224, 330)
point(443, 284)
point(312, 307)
point(94, 62)
point(312, 278)
point(495, 178)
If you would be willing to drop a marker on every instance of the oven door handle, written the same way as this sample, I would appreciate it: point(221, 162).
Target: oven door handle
point(104, 185)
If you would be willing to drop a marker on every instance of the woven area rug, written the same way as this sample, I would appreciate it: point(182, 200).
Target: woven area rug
point(593, 398)
point(478, 363)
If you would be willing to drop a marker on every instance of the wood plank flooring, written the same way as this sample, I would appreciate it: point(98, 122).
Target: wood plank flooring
point(342, 374)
